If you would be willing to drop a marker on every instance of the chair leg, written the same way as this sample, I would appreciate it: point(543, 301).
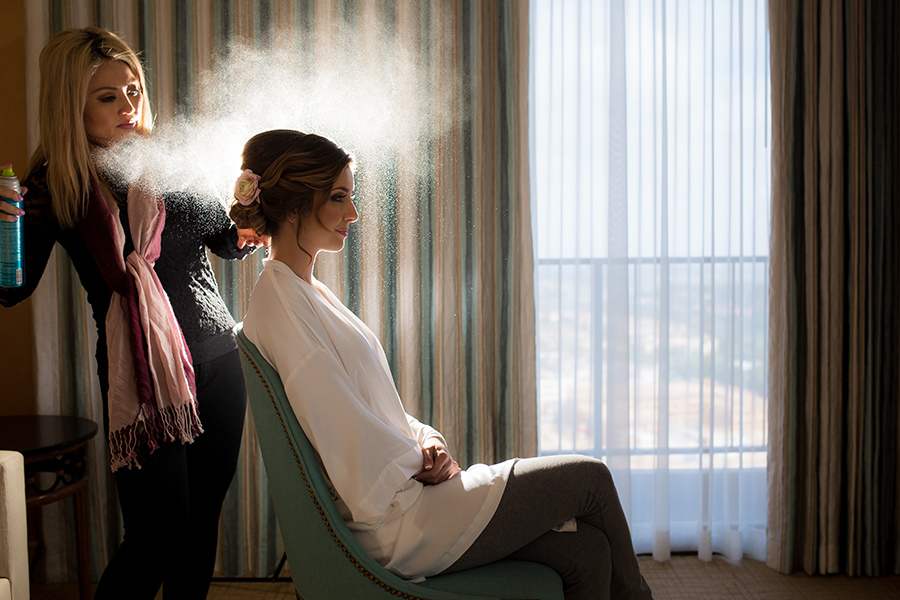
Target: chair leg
point(280, 565)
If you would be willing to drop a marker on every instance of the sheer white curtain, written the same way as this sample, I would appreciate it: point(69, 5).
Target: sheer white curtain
point(651, 189)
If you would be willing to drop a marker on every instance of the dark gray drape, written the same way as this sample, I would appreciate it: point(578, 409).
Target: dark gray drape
point(834, 344)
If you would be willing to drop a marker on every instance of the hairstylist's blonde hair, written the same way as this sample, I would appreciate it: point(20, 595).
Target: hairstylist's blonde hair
point(67, 63)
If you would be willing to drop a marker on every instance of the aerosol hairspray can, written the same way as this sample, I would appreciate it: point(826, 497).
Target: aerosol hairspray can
point(12, 267)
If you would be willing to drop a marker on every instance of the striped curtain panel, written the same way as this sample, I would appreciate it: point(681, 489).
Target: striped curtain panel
point(430, 98)
point(834, 441)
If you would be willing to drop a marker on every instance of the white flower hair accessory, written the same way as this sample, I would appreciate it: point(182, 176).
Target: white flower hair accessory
point(246, 188)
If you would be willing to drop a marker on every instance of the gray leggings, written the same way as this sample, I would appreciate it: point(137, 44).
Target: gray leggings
point(595, 562)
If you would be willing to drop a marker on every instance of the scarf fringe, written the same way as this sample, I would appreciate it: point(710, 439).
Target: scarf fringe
point(174, 423)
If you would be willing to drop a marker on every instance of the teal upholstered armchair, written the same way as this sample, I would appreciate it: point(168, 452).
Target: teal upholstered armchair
point(326, 561)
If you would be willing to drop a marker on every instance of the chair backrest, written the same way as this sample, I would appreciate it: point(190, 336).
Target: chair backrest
point(325, 559)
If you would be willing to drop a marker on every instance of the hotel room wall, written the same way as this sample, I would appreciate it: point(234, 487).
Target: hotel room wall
point(17, 340)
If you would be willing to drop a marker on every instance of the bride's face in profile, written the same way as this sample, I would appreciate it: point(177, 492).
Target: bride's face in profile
point(329, 227)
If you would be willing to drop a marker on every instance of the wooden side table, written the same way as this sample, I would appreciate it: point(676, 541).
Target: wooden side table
point(57, 446)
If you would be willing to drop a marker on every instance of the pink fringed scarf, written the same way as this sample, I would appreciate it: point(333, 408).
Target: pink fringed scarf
point(151, 378)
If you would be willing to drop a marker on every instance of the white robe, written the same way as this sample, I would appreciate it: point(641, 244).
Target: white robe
point(340, 386)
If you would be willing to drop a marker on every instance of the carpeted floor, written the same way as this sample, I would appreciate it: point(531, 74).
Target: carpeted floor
point(687, 578)
point(682, 578)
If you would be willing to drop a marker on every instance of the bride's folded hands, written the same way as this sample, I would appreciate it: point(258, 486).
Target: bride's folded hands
point(437, 464)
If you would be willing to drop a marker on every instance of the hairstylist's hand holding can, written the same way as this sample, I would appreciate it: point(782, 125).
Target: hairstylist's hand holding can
point(10, 212)
point(12, 209)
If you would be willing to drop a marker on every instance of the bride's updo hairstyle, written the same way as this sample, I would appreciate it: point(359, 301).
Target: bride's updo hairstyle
point(285, 172)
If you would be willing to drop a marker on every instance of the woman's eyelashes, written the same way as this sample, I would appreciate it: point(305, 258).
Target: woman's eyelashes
point(135, 93)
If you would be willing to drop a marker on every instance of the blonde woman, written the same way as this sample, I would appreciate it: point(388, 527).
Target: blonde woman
point(174, 424)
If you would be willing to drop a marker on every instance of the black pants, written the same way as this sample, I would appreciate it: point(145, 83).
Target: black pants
point(597, 561)
point(171, 505)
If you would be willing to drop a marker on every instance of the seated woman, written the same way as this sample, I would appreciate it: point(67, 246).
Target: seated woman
point(394, 481)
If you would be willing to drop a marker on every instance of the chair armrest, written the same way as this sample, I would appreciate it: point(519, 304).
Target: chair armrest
point(13, 524)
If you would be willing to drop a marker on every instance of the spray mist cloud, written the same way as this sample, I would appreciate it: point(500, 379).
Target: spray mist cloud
point(370, 103)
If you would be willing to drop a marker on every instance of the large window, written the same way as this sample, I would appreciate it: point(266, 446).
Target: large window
point(651, 187)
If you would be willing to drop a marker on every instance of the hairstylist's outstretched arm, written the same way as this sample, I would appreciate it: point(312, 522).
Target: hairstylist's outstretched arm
point(248, 237)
